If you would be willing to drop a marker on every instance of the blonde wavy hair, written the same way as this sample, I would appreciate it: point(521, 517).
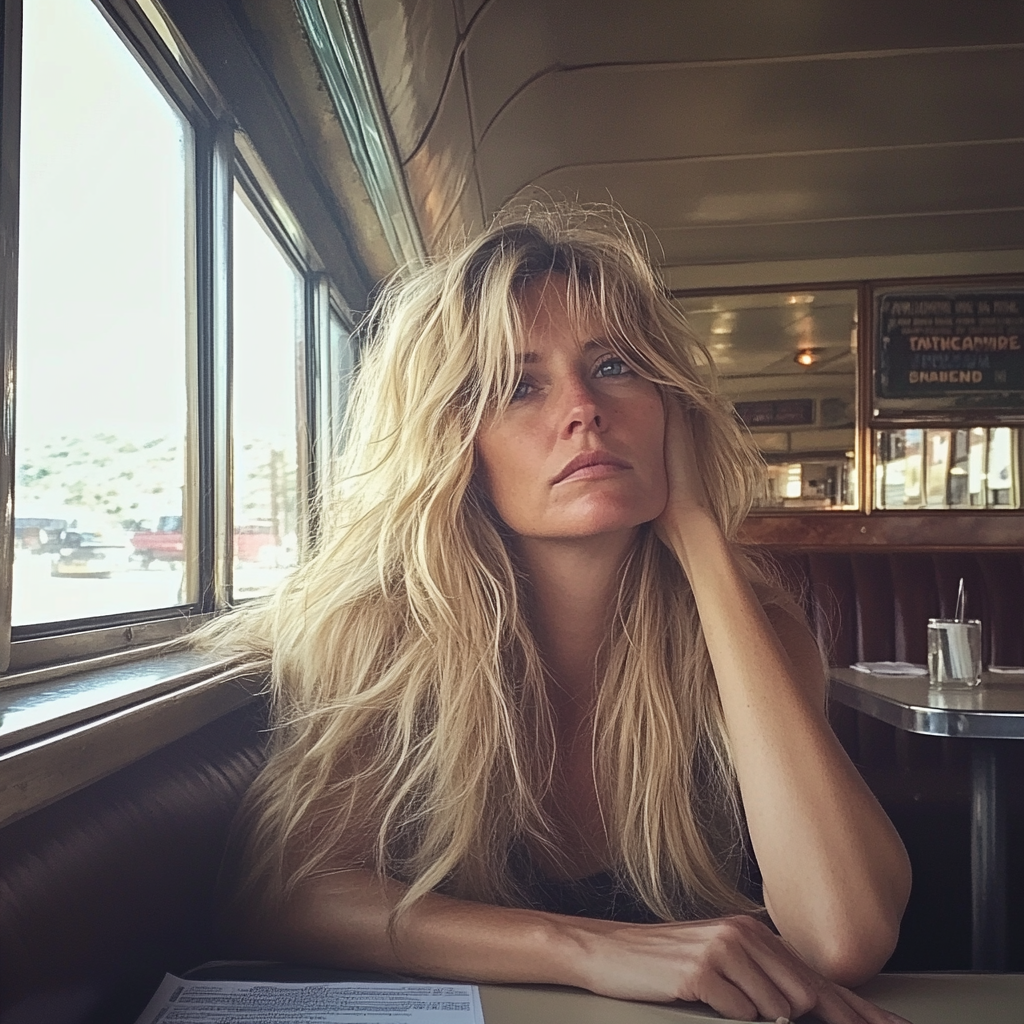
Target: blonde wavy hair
point(412, 722)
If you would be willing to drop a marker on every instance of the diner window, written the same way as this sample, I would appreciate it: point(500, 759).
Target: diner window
point(968, 468)
point(343, 356)
point(103, 304)
point(788, 362)
point(268, 341)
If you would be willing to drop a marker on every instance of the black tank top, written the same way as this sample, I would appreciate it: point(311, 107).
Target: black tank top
point(605, 896)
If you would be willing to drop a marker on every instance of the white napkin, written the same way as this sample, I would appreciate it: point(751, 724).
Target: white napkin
point(890, 668)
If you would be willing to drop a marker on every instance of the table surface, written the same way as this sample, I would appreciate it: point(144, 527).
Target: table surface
point(920, 998)
point(992, 710)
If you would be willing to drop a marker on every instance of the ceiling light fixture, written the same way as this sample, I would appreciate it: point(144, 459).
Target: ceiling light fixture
point(807, 356)
point(723, 323)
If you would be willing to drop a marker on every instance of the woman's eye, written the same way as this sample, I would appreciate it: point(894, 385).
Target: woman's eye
point(611, 367)
point(522, 389)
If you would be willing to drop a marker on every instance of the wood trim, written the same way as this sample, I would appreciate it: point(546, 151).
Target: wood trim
point(937, 531)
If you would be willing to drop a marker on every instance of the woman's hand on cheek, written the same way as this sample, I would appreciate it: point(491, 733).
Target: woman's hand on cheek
point(686, 491)
point(736, 965)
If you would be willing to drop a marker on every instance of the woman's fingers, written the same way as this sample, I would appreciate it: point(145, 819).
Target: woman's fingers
point(761, 967)
point(736, 965)
point(725, 998)
point(744, 974)
point(796, 981)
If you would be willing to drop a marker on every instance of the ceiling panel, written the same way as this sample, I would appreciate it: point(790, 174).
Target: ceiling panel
point(650, 113)
point(514, 41)
point(464, 221)
point(852, 183)
point(412, 42)
point(466, 10)
point(835, 239)
point(799, 130)
point(442, 168)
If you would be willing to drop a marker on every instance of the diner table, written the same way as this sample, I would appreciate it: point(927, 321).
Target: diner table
point(920, 998)
point(986, 717)
point(939, 998)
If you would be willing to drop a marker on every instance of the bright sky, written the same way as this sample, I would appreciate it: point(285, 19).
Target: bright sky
point(102, 237)
point(101, 337)
point(267, 331)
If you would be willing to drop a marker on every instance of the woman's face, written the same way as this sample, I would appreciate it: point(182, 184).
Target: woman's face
point(580, 451)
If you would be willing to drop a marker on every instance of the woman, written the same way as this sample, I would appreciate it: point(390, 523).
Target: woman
point(537, 716)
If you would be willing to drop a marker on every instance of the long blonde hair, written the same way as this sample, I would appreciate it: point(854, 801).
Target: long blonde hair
point(410, 701)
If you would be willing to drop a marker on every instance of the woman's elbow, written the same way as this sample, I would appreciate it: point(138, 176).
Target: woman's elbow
point(851, 959)
point(858, 947)
point(855, 949)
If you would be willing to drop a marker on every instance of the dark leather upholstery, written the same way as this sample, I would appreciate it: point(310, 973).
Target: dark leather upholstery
point(875, 607)
point(105, 890)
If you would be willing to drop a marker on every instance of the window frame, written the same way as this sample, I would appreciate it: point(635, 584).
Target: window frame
point(177, 77)
point(221, 154)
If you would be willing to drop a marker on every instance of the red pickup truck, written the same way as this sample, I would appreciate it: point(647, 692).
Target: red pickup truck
point(166, 544)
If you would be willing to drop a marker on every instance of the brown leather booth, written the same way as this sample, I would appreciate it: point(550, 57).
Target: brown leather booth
point(104, 891)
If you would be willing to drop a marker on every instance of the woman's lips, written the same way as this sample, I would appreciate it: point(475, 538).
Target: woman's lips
point(591, 466)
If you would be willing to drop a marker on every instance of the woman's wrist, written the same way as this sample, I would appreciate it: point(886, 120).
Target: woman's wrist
point(568, 949)
point(689, 532)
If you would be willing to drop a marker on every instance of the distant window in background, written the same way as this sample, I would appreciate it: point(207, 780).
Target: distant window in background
point(967, 468)
point(102, 307)
point(268, 334)
point(788, 360)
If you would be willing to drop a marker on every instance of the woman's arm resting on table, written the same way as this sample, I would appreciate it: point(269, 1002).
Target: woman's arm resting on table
point(737, 965)
point(836, 875)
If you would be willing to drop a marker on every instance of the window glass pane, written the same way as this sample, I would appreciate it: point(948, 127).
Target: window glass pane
point(969, 468)
point(789, 363)
point(342, 368)
point(102, 306)
point(267, 345)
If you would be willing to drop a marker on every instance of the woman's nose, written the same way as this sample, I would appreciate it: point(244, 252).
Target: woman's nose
point(579, 408)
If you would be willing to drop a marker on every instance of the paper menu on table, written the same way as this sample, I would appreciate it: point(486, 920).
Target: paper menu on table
point(180, 1001)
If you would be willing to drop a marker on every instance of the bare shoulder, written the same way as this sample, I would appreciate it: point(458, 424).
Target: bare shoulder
point(794, 633)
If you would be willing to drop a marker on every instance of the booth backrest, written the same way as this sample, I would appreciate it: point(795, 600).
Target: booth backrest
point(105, 890)
point(875, 607)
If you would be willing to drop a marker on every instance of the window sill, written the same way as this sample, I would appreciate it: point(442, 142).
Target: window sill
point(59, 735)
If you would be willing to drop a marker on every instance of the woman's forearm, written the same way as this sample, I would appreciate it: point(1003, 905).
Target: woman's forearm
point(736, 964)
point(836, 874)
point(342, 919)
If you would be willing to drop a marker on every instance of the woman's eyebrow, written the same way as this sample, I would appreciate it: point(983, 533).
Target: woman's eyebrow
point(588, 347)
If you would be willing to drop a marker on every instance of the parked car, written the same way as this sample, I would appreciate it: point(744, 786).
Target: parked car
point(39, 535)
point(90, 554)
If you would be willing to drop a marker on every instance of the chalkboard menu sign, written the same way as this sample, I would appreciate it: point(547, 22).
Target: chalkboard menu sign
point(951, 344)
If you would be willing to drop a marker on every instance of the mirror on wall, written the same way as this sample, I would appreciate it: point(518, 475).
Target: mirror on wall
point(967, 468)
point(788, 361)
